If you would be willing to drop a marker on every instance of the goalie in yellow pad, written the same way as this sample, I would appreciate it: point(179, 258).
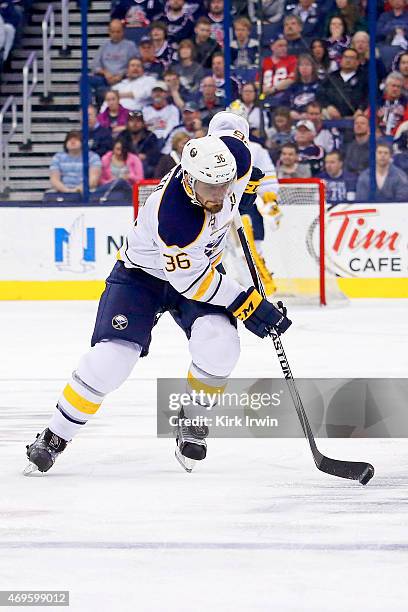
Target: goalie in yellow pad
point(266, 207)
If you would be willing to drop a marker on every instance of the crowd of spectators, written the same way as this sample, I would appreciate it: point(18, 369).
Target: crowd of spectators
point(159, 78)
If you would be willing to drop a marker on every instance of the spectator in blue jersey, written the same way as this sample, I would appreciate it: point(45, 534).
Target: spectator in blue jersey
point(111, 61)
point(189, 71)
point(350, 12)
point(137, 13)
point(163, 52)
point(337, 42)
point(340, 185)
point(178, 19)
point(205, 45)
point(303, 90)
point(391, 182)
point(392, 26)
point(66, 170)
point(244, 49)
point(100, 138)
point(151, 65)
point(392, 109)
point(311, 16)
point(310, 154)
point(216, 17)
point(280, 133)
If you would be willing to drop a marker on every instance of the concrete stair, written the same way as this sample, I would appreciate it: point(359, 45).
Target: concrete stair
point(29, 170)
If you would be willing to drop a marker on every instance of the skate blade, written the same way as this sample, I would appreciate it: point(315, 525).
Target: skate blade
point(186, 463)
point(30, 469)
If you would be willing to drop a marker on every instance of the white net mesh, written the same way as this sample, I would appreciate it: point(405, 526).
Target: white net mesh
point(293, 251)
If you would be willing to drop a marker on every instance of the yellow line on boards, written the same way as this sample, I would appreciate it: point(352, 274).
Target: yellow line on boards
point(51, 290)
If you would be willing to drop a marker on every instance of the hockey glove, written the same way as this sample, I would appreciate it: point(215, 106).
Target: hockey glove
point(251, 190)
point(259, 315)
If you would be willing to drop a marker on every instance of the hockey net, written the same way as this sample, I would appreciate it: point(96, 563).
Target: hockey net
point(296, 251)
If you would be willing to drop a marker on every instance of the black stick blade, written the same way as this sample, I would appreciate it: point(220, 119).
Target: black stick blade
point(353, 470)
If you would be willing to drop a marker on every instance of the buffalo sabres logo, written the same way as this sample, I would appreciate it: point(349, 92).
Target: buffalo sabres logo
point(193, 152)
point(119, 322)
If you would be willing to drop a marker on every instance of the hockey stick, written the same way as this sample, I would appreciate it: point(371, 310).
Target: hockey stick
point(353, 470)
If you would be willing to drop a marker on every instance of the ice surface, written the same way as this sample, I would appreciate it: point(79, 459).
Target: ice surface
point(256, 527)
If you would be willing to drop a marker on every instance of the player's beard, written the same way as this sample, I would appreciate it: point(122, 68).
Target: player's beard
point(212, 207)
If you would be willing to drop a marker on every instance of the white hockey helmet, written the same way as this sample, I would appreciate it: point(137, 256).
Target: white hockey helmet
point(208, 161)
point(226, 121)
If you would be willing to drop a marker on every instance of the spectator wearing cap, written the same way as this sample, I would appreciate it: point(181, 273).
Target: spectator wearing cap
point(344, 92)
point(358, 151)
point(328, 139)
point(292, 31)
point(391, 182)
point(216, 18)
point(311, 16)
point(310, 154)
point(288, 165)
point(137, 14)
point(163, 52)
point(278, 70)
point(209, 103)
point(189, 71)
point(337, 42)
point(168, 161)
point(191, 125)
point(142, 142)
point(205, 45)
point(393, 108)
point(115, 115)
point(218, 74)
point(340, 185)
point(160, 116)
point(111, 60)
point(100, 137)
point(244, 49)
point(135, 90)
point(151, 65)
point(178, 19)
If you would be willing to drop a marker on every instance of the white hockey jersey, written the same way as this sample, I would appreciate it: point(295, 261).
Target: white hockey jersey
point(180, 242)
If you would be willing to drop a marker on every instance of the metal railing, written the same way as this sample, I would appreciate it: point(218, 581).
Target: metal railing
point(28, 89)
point(65, 50)
point(4, 144)
point(48, 35)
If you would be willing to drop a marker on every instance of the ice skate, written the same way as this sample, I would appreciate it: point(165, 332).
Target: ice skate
point(43, 452)
point(191, 443)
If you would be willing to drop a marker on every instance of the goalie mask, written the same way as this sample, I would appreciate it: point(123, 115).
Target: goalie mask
point(209, 171)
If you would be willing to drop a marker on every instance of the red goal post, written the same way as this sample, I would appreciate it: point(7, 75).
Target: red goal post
point(296, 252)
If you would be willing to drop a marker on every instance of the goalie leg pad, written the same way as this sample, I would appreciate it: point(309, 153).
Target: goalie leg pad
point(265, 275)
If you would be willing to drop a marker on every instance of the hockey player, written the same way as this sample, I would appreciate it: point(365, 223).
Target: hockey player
point(266, 204)
point(171, 261)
